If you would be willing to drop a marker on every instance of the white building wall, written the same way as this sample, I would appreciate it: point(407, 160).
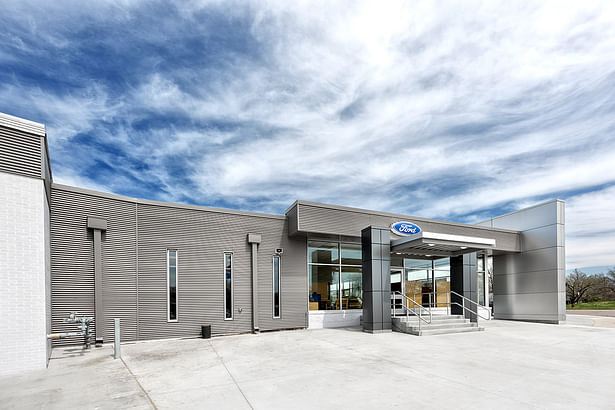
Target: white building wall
point(24, 274)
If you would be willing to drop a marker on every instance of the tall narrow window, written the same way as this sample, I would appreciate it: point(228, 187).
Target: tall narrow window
point(228, 286)
point(276, 286)
point(172, 284)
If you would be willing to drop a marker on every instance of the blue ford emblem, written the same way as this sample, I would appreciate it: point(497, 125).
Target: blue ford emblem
point(405, 228)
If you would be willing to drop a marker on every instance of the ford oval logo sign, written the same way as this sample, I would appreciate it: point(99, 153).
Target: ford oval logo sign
point(405, 228)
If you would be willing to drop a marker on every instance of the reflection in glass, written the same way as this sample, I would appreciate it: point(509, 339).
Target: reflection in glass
point(172, 278)
point(352, 291)
point(351, 254)
point(323, 252)
point(276, 286)
point(228, 286)
point(480, 275)
point(324, 287)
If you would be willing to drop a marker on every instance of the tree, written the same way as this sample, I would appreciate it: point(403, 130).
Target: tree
point(578, 285)
point(610, 277)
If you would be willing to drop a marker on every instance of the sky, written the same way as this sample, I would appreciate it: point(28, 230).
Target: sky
point(456, 110)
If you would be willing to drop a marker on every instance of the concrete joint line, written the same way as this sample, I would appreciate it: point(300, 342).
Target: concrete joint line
point(149, 399)
point(229, 373)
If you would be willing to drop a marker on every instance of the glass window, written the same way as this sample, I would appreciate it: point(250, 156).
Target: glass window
point(323, 252)
point(480, 275)
point(351, 254)
point(172, 284)
point(228, 286)
point(276, 286)
point(324, 287)
point(335, 276)
point(352, 290)
point(417, 263)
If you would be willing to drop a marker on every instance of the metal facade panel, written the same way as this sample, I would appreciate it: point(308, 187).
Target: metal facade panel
point(20, 153)
point(72, 261)
point(201, 238)
point(323, 219)
point(529, 285)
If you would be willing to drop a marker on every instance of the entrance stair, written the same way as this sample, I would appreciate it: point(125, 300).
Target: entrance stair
point(440, 324)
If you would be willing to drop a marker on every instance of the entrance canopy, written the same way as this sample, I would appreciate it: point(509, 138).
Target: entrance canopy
point(431, 244)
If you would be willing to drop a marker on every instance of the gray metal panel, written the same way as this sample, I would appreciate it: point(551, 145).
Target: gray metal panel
point(532, 282)
point(543, 237)
point(547, 213)
point(529, 306)
point(291, 215)
point(529, 285)
point(72, 261)
point(530, 261)
point(20, 153)
point(333, 220)
point(201, 238)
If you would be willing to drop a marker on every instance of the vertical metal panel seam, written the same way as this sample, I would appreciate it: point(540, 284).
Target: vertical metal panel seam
point(137, 264)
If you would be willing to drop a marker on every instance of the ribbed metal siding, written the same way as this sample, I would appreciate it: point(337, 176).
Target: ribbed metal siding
point(72, 261)
point(293, 279)
point(346, 222)
point(20, 153)
point(201, 238)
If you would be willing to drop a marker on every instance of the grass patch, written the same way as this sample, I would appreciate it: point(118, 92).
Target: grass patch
point(606, 305)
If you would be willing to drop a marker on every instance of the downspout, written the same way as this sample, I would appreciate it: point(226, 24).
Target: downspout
point(98, 225)
point(254, 239)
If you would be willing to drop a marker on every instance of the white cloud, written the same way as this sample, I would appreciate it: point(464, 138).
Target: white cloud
point(590, 229)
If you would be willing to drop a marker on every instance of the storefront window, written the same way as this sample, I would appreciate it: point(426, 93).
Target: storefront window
point(324, 287)
point(352, 289)
point(335, 276)
point(351, 254)
point(323, 252)
point(424, 277)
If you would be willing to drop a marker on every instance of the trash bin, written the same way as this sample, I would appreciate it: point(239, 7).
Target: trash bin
point(206, 332)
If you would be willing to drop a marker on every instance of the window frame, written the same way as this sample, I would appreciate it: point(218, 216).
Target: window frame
point(169, 320)
point(230, 253)
point(279, 316)
point(339, 265)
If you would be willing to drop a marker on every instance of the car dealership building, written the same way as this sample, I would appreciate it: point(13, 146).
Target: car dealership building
point(166, 269)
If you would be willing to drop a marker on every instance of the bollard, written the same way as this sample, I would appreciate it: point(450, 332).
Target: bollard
point(116, 343)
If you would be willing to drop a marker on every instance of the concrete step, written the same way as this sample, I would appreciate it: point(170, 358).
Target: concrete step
point(433, 317)
point(441, 326)
point(443, 321)
point(428, 332)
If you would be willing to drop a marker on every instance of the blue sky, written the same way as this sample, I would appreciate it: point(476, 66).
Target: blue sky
point(452, 110)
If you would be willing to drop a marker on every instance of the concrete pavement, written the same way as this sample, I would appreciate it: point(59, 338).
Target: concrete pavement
point(608, 313)
point(510, 365)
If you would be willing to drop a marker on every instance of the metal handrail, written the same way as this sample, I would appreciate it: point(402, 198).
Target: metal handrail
point(408, 310)
point(463, 305)
point(448, 303)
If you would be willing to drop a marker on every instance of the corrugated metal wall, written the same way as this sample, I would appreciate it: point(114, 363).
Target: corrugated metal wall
point(330, 220)
point(201, 236)
point(20, 153)
point(72, 261)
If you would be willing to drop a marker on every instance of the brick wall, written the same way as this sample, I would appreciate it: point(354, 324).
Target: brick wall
point(23, 274)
